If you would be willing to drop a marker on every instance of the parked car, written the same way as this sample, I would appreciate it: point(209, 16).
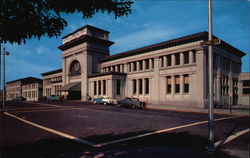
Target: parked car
point(20, 98)
point(98, 100)
point(109, 100)
point(43, 99)
point(55, 98)
point(131, 103)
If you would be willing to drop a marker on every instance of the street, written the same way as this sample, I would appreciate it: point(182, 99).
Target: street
point(75, 129)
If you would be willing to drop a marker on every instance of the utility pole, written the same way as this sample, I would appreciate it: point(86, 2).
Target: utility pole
point(4, 87)
point(211, 90)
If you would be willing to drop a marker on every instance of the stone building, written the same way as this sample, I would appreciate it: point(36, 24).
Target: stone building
point(244, 89)
point(29, 88)
point(173, 72)
point(52, 82)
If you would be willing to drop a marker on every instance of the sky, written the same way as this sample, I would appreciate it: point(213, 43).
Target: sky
point(151, 22)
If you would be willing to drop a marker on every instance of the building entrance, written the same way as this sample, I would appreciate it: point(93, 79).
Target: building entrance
point(74, 95)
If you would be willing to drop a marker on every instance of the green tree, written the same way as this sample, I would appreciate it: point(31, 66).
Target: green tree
point(24, 19)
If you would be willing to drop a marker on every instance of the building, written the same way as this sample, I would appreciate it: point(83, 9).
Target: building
point(244, 89)
point(29, 88)
point(173, 72)
point(52, 82)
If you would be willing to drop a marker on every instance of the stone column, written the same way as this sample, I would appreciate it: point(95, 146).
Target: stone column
point(181, 58)
point(143, 65)
point(137, 88)
point(191, 57)
point(150, 63)
point(125, 68)
point(172, 85)
point(101, 88)
point(116, 68)
point(132, 66)
point(137, 65)
point(165, 61)
point(173, 60)
point(111, 68)
point(97, 88)
point(143, 87)
point(181, 84)
point(121, 68)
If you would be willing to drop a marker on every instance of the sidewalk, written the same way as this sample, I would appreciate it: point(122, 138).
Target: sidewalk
point(235, 110)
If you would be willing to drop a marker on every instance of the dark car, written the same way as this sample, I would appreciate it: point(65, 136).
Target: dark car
point(19, 99)
point(131, 103)
point(43, 99)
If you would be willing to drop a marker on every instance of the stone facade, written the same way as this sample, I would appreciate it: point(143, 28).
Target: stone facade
point(244, 89)
point(29, 88)
point(172, 72)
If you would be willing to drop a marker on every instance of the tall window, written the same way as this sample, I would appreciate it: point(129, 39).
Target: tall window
point(246, 87)
point(186, 83)
point(177, 84)
point(75, 68)
point(95, 88)
point(186, 57)
point(129, 67)
point(169, 85)
point(140, 86)
point(194, 56)
point(104, 87)
point(135, 66)
point(162, 61)
point(118, 87)
point(147, 64)
point(118, 68)
point(177, 59)
point(134, 86)
point(169, 60)
point(99, 87)
point(140, 65)
point(146, 86)
point(152, 61)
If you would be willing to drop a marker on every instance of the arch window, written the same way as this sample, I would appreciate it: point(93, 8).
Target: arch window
point(75, 68)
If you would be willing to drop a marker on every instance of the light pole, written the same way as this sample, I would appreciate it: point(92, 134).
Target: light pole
point(4, 88)
point(211, 97)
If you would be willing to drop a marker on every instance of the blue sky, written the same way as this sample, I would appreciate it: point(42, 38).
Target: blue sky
point(151, 21)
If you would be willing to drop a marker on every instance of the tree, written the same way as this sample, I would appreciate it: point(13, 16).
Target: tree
point(24, 19)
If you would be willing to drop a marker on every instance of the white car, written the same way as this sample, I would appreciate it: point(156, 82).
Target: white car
point(109, 100)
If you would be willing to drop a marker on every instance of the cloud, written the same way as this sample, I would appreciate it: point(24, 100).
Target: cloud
point(41, 49)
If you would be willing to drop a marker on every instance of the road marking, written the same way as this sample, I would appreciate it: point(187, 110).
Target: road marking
point(232, 137)
point(160, 131)
point(51, 130)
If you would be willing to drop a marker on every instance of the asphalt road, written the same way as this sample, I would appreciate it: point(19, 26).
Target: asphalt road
point(75, 129)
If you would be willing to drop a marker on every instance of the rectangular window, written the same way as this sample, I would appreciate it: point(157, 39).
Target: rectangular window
point(186, 84)
point(118, 68)
point(104, 87)
point(169, 60)
point(162, 61)
point(140, 65)
point(177, 59)
point(186, 57)
point(99, 87)
point(146, 86)
point(194, 56)
point(177, 84)
point(135, 66)
point(246, 91)
point(118, 87)
point(140, 86)
point(168, 84)
point(134, 86)
point(246, 83)
point(129, 67)
point(147, 64)
point(152, 62)
point(95, 88)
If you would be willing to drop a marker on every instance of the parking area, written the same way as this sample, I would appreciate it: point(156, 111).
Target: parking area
point(100, 126)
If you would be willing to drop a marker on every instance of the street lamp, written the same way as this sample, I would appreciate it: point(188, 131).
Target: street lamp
point(4, 87)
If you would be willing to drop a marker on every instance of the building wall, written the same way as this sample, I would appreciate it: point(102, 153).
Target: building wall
point(13, 90)
point(244, 89)
point(32, 91)
point(51, 84)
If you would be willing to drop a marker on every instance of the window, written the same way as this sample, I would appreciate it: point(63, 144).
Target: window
point(135, 66)
point(99, 87)
point(186, 84)
point(95, 88)
point(177, 84)
point(118, 68)
point(169, 60)
point(147, 64)
point(246, 87)
point(118, 87)
point(75, 68)
point(186, 57)
point(140, 86)
point(246, 90)
point(134, 86)
point(168, 84)
point(162, 61)
point(246, 83)
point(177, 59)
point(146, 86)
point(152, 61)
point(140, 65)
point(129, 67)
point(104, 87)
point(194, 56)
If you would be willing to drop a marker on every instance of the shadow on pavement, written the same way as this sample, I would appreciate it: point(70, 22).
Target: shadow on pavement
point(164, 145)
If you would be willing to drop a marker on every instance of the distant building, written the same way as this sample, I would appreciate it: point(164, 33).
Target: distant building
point(173, 72)
point(52, 82)
point(244, 89)
point(29, 88)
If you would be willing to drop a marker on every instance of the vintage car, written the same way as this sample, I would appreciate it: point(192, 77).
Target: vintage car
point(98, 100)
point(20, 98)
point(131, 103)
point(109, 100)
point(55, 98)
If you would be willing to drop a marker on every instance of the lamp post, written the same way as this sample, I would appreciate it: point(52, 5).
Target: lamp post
point(4, 88)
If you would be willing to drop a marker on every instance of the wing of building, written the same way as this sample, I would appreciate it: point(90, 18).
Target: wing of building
point(173, 72)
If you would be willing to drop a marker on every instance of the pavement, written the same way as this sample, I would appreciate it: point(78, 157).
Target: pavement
point(234, 110)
